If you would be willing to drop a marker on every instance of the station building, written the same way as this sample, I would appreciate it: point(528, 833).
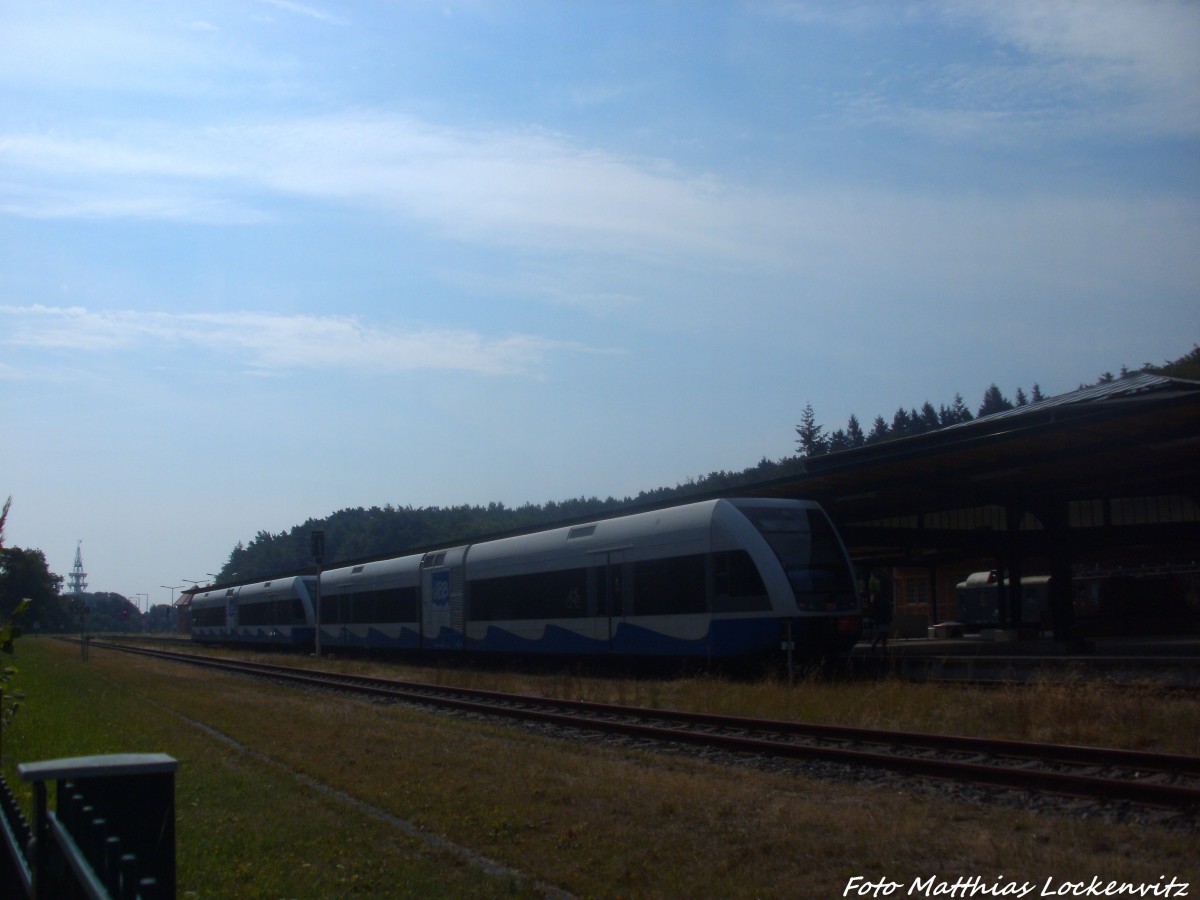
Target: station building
point(1079, 513)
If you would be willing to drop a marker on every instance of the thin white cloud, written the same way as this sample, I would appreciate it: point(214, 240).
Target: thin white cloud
point(168, 203)
point(602, 232)
point(850, 15)
point(171, 155)
point(1151, 40)
point(268, 343)
point(1139, 56)
point(306, 10)
point(527, 189)
point(148, 51)
point(1065, 68)
point(50, 177)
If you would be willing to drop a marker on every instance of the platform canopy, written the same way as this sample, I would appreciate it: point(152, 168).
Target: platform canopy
point(1116, 466)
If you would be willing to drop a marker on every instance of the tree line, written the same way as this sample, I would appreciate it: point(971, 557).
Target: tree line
point(812, 439)
point(24, 575)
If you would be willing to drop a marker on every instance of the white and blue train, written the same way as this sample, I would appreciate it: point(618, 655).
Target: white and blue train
point(715, 579)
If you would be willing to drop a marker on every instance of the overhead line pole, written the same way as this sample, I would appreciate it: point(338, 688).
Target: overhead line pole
point(318, 555)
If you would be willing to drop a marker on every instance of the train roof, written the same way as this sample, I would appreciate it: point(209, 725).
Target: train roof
point(368, 571)
point(389, 563)
point(218, 593)
point(599, 535)
point(690, 522)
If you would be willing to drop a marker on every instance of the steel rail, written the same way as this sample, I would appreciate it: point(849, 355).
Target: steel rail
point(1142, 787)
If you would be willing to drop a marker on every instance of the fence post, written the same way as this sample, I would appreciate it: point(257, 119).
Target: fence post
point(16, 877)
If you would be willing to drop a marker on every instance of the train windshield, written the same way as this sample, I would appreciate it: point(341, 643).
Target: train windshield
point(810, 553)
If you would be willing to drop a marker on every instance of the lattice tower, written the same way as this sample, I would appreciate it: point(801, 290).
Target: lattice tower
point(78, 578)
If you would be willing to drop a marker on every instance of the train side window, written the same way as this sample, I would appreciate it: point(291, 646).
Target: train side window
point(540, 595)
point(250, 614)
point(396, 605)
point(736, 575)
point(737, 583)
point(673, 585)
point(362, 608)
point(329, 608)
point(209, 617)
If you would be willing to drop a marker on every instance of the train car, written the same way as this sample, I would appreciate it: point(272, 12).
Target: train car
point(978, 601)
point(276, 612)
point(716, 579)
point(375, 604)
point(722, 578)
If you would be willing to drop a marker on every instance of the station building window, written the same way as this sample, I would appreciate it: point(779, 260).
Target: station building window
point(910, 592)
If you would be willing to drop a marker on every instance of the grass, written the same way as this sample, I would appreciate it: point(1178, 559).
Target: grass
point(593, 819)
point(244, 829)
point(1081, 711)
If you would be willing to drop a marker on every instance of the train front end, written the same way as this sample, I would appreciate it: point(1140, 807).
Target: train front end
point(805, 570)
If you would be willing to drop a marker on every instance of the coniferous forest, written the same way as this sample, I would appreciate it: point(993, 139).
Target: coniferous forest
point(359, 533)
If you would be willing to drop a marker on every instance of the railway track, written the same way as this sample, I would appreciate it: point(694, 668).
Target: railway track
point(1143, 778)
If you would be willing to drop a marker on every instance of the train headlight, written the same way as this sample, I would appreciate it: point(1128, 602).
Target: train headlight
point(849, 625)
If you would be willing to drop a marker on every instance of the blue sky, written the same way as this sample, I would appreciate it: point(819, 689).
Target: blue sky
point(263, 260)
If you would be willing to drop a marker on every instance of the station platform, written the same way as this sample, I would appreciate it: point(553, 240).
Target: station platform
point(976, 645)
point(1168, 660)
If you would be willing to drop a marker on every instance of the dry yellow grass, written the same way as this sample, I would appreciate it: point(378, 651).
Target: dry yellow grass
point(1080, 711)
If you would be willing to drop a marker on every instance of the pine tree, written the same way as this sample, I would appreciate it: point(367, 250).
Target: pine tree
point(993, 402)
point(1187, 366)
point(961, 413)
point(929, 417)
point(879, 431)
point(854, 432)
point(811, 440)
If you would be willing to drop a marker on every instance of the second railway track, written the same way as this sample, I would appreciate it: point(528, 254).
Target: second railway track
point(1139, 777)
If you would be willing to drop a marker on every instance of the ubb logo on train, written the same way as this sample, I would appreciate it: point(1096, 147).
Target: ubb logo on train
point(440, 582)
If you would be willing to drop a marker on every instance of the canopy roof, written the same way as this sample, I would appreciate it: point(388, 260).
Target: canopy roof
point(1134, 437)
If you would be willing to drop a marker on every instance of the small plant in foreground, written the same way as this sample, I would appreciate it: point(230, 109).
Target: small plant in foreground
point(10, 701)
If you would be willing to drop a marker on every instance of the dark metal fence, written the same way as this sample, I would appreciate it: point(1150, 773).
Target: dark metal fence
point(111, 835)
point(16, 876)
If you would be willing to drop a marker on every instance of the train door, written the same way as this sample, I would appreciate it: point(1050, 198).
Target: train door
point(231, 611)
point(435, 599)
point(608, 579)
point(442, 594)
